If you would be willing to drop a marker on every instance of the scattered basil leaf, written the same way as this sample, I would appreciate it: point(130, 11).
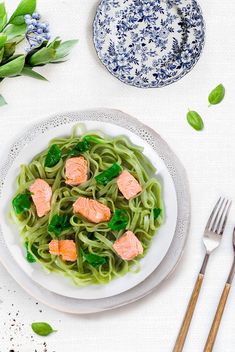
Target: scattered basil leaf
point(217, 95)
point(14, 31)
point(42, 56)
point(2, 101)
point(80, 147)
point(30, 258)
point(13, 67)
point(195, 120)
point(59, 223)
point(156, 213)
point(106, 176)
point(25, 7)
point(42, 329)
point(21, 203)
point(119, 220)
point(93, 259)
point(3, 39)
point(28, 71)
point(64, 49)
point(53, 156)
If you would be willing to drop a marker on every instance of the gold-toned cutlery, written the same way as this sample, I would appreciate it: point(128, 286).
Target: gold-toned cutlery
point(220, 309)
point(211, 238)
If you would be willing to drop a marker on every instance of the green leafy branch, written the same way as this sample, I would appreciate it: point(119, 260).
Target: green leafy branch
point(12, 32)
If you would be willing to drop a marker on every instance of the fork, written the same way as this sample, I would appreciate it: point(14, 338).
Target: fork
point(223, 299)
point(211, 238)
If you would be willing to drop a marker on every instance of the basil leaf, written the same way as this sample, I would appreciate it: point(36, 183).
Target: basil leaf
point(42, 329)
point(106, 176)
point(13, 67)
point(64, 49)
point(195, 120)
point(30, 258)
point(25, 7)
point(3, 16)
point(3, 39)
point(156, 213)
point(119, 220)
point(217, 95)
point(80, 147)
point(53, 156)
point(2, 101)
point(42, 56)
point(93, 259)
point(13, 31)
point(59, 223)
point(21, 203)
point(28, 71)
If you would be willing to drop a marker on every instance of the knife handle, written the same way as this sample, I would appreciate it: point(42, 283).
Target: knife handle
point(188, 315)
point(217, 319)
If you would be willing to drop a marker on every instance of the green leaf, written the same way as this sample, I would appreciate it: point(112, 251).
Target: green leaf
point(28, 71)
point(195, 120)
point(25, 7)
point(106, 176)
point(13, 31)
point(95, 139)
point(53, 156)
point(21, 203)
point(2, 101)
point(1, 54)
point(55, 43)
point(30, 258)
point(217, 95)
point(42, 56)
point(156, 213)
point(9, 50)
point(59, 223)
point(3, 16)
point(80, 147)
point(64, 49)
point(12, 68)
point(3, 39)
point(93, 259)
point(119, 220)
point(42, 329)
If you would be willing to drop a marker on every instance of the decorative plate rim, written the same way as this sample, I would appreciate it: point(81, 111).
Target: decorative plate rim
point(180, 180)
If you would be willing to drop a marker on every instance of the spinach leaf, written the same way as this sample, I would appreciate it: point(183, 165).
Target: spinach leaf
point(93, 259)
point(21, 203)
point(217, 95)
point(42, 329)
point(25, 7)
point(53, 156)
point(119, 220)
point(59, 223)
point(80, 147)
point(106, 176)
point(30, 258)
point(195, 120)
point(156, 213)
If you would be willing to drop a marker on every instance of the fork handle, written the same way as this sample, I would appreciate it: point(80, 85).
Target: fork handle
point(218, 316)
point(188, 315)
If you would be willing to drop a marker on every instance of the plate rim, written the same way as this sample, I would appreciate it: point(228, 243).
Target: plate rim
point(108, 115)
point(171, 81)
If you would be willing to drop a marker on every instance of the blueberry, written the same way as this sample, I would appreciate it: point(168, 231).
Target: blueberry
point(28, 21)
point(39, 31)
point(43, 25)
point(36, 16)
point(47, 36)
point(30, 28)
point(27, 17)
point(39, 39)
point(33, 22)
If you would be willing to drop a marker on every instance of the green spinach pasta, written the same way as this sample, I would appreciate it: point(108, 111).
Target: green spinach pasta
point(88, 207)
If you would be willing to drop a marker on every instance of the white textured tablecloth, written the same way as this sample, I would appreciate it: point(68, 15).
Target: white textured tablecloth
point(152, 324)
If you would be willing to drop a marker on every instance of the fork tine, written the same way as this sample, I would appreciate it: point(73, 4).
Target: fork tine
point(223, 222)
point(212, 214)
point(219, 215)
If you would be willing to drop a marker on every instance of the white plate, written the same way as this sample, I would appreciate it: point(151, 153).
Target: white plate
point(58, 283)
point(174, 253)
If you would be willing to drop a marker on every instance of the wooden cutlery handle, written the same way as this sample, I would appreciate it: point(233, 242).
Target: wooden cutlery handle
point(188, 315)
point(218, 316)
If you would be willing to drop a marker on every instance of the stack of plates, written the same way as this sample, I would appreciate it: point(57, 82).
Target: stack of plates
point(166, 249)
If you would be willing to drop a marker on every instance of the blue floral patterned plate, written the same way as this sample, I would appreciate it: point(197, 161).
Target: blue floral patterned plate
point(149, 43)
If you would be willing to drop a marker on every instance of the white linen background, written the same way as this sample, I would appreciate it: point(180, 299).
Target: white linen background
point(151, 324)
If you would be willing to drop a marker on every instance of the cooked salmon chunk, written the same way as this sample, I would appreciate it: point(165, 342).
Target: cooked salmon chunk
point(65, 248)
point(92, 210)
point(41, 195)
point(128, 246)
point(76, 171)
point(128, 185)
